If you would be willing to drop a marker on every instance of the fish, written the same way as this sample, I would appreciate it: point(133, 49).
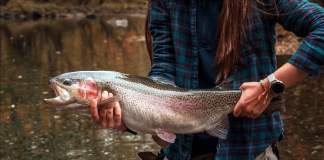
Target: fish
point(153, 106)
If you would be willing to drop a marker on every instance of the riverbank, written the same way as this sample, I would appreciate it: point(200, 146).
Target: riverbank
point(287, 42)
point(36, 9)
point(32, 11)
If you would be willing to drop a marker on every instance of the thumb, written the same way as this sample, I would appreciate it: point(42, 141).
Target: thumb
point(237, 110)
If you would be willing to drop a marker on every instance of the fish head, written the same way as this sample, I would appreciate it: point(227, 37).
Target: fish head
point(73, 93)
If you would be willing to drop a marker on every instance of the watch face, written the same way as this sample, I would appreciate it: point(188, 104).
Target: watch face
point(278, 88)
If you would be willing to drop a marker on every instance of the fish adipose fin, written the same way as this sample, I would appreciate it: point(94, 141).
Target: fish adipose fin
point(166, 136)
point(108, 101)
point(220, 128)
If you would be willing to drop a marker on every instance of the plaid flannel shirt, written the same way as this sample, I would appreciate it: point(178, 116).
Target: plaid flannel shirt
point(173, 28)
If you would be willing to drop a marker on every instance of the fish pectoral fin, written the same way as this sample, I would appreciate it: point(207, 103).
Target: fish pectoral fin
point(107, 102)
point(166, 136)
point(220, 128)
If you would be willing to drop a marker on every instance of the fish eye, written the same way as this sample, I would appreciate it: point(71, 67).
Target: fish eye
point(67, 82)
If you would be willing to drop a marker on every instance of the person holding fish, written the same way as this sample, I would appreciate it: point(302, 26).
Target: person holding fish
point(201, 43)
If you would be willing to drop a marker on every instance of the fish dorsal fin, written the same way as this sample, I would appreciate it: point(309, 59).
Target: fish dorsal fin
point(224, 86)
point(166, 136)
point(163, 81)
point(220, 128)
point(108, 101)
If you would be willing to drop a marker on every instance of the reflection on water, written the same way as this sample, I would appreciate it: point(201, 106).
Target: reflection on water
point(33, 52)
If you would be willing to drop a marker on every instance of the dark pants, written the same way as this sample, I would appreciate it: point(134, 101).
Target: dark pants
point(197, 154)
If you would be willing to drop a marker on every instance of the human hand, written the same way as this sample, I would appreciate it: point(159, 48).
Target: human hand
point(160, 142)
point(249, 105)
point(107, 116)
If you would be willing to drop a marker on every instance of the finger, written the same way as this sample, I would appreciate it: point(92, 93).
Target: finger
point(117, 115)
point(240, 110)
point(110, 118)
point(237, 110)
point(102, 118)
point(104, 95)
point(94, 111)
point(110, 95)
point(244, 114)
point(255, 116)
point(249, 115)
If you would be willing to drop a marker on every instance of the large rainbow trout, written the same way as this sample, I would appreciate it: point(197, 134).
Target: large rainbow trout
point(155, 106)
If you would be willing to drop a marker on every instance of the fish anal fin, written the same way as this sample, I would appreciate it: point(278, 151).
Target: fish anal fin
point(108, 102)
point(166, 136)
point(220, 128)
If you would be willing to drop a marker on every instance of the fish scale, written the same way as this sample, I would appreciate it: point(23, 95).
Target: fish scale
point(155, 106)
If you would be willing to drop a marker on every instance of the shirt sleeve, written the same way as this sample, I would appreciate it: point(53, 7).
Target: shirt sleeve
point(306, 20)
point(163, 50)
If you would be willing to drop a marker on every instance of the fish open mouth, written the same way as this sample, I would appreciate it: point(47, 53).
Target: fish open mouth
point(62, 96)
point(75, 95)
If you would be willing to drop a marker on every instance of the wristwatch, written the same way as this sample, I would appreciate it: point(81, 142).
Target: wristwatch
point(277, 87)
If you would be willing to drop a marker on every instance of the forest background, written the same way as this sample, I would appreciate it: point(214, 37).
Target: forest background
point(287, 42)
point(89, 6)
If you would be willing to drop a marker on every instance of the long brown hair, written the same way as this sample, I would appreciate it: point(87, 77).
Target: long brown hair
point(230, 32)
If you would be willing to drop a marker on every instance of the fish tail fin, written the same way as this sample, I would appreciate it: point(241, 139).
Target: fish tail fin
point(219, 129)
point(276, 104)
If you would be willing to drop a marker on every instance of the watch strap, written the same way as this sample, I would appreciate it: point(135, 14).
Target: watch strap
point(271, 78)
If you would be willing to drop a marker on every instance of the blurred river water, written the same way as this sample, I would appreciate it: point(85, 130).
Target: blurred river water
point(32, 52)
